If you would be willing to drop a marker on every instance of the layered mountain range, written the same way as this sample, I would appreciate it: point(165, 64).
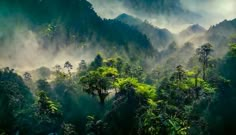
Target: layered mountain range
point(75, 21)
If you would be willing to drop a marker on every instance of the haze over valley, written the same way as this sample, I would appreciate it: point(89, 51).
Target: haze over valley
point(117, 67)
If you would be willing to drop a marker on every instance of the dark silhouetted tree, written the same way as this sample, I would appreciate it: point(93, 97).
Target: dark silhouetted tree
point(68, 66)
point(82, 66)
point(98, 62)
point(27, 76)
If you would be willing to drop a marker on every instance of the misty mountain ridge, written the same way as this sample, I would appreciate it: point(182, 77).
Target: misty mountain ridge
point(170, 9)
point(159, 38)
point(80, 24)
point(190, 33)
point(117, 67)
point(225, 28)
point(128, 19)
point(73, 22)
point(193, 29)
point(218, 34)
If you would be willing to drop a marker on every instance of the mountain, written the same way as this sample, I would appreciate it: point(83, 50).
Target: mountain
point(159, 38)
point(218, 35)
point(191, 32)
point(222, 31)
point(172, 9)
point(74, 21)
point(128, 19)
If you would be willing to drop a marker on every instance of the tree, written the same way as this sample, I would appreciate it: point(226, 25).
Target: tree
point(46, 106)
point(224, 102)
point(95, 127)
point(82, 66)
point(68, 66)
point(130, 100)
point(27, 76)
point(98, 82)
point(98, 62)
point(203, 56)
point(68, 129)
point(15, 96)
point(179, 75)
point(180, 72)
point(43, 85)
point(48, 114)
point(57, 68)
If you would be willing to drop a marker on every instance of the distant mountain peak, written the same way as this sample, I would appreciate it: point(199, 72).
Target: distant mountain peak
point(128, 19)
point(193, 29)
point(191, 32)
point(123, 15)
point(172, 9)
point(196, 28)
point(158, 37)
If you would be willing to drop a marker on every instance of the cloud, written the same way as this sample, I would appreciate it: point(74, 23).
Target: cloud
point(211, 12)
point(108, 9)
point(24, 50)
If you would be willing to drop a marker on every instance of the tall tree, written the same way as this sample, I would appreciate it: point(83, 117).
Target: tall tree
point(98, 82)
point(68, 66)
point(179, 75)
point(98, 62)
point(15, 96)
point(27, 76)
point(82, 66)
point(57, 68)
point(203, 55)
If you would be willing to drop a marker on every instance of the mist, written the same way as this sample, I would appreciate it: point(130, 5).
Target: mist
point(209, 12)
point(212, 11)
point(24, 50)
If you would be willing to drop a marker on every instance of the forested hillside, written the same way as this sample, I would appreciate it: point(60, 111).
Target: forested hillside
point(172, 9)
point(64, 70)
point(72, 21)
point(159, 38)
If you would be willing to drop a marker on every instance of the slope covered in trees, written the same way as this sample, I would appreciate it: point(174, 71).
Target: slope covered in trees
point(159, 38)
point(66, 22)
point(187, 89)
point(114, 96)
point(169, 9)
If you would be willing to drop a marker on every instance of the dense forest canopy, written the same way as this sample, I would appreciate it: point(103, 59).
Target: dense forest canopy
point(65, 69)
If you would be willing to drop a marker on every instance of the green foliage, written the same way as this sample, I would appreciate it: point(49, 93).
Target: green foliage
point(98, 82)
point(82, 66)
point(177, 126)
point(149, 123)
point(98, 62)
point(43, 85)
point(204, 52)
point(47, 106)
point(14, 96)
point(142, 90)
point(182, 104)
point(68, 129)
point(95, 127)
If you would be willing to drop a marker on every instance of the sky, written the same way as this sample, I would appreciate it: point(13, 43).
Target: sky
point(211, 12)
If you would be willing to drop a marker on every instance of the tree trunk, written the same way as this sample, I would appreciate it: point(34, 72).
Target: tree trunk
point(101, 97)
point(196, 81)
point(204, 72)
